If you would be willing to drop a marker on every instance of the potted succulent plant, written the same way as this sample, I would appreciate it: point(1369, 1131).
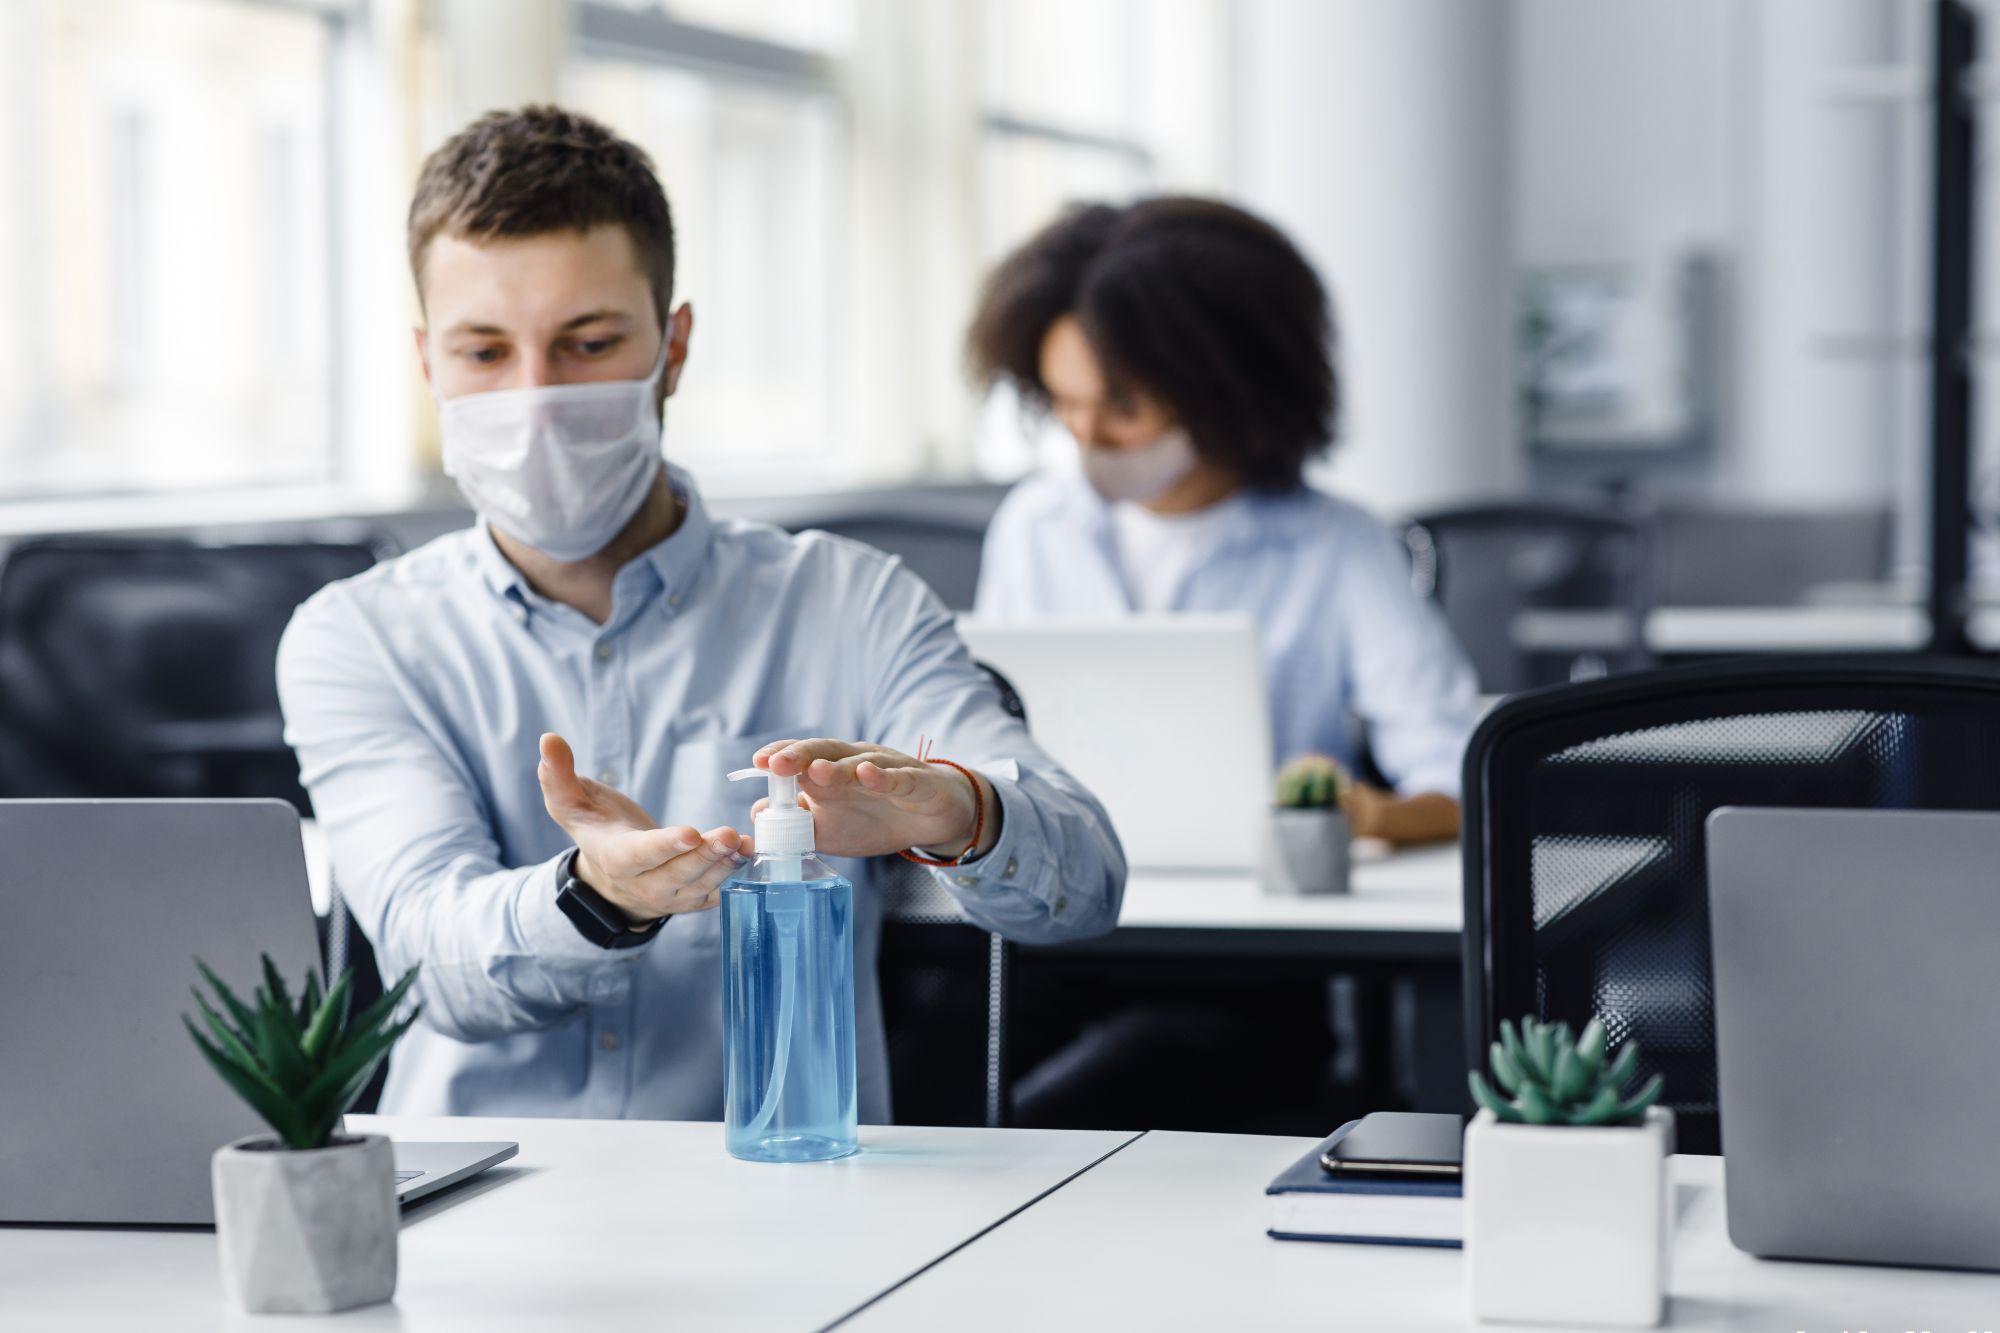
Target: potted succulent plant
point(1566, 1192)
point(1305, 850)
point(305, 1219)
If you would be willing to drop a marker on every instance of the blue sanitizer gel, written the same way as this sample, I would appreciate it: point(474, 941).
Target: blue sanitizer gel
point(787, 995)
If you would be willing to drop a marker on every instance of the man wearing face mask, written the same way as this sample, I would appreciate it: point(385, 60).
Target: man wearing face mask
point(447, 706)
point(1186, 345)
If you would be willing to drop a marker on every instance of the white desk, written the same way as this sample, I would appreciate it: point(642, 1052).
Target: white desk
point(1726, 630)
point(1169, 1234)
point(598, 1225)
point(1415, 890)
point(1786, 629)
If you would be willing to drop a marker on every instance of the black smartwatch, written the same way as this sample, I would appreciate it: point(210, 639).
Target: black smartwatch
point(594, 918)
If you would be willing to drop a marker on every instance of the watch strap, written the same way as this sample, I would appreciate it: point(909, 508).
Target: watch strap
point(594, 917)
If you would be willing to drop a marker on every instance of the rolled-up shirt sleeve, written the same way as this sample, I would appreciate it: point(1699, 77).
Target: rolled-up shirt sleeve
point(412, 846)
point(1058, 870)
point(1407, 675)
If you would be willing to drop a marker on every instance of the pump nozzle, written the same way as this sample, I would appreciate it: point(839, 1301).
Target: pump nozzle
point(784, 828)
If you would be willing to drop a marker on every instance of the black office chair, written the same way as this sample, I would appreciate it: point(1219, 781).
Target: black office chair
point(941, 549)
point(1586, 886)
point(1491, 567)
point(145, 666)
point(942, 978)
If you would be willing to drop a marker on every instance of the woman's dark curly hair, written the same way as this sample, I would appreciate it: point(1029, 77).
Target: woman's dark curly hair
point(1202, 307)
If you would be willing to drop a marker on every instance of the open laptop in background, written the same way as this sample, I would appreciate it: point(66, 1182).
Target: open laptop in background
point(1857, 1044)
point(107, 1112)
point(1164, 718)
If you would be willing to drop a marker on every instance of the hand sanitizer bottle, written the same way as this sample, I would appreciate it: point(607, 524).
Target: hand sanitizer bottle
point(787, 993)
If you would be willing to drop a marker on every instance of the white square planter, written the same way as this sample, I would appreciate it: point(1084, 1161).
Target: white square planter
point(1568, 1225)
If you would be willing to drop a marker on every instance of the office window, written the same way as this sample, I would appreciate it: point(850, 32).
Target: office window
point(1097, 102)
point(1088, 103)
point(816, 25)
point(165, 284)
point(749, 138)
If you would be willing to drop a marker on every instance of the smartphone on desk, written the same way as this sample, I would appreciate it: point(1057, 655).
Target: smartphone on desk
point(1410, 1145)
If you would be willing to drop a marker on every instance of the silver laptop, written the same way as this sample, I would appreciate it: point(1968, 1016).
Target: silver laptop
point(1127, 704)
point(1857, 1039)
point(107, 1112)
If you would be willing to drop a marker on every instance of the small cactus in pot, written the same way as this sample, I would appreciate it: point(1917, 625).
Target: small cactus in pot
point(1547, 1077)
point(1306, 848)
point(1311, 782)
point(1567, 1198)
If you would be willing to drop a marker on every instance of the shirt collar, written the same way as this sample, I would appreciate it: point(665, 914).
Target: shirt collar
point(674, 563)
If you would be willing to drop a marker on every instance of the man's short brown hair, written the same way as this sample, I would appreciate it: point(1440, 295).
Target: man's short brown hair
point(539, 170)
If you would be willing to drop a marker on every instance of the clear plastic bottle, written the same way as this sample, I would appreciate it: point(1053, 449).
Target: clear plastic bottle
point(787, 994)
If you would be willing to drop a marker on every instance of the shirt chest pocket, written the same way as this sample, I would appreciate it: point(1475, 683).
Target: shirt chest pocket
point(699, 791)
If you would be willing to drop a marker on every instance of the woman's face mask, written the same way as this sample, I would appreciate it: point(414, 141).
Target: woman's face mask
point(1139, 473)
point(561, 467)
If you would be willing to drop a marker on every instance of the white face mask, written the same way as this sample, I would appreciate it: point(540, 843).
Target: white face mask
point(561, 467)
point(1141, 473)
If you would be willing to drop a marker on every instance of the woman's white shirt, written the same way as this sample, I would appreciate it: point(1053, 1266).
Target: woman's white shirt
point(1156, 551)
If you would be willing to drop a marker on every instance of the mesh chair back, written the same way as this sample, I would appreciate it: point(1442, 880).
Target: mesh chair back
point(942, 551)
point(1585, 849)
point(146, 667)
point(1489, 568)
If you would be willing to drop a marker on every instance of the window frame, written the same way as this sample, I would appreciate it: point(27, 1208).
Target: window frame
point(112, 505)
point(652, 37)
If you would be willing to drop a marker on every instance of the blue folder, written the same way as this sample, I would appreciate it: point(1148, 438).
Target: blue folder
point(1307, 1177)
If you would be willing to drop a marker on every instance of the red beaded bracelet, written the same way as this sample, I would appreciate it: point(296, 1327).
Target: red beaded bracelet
point(978, 818)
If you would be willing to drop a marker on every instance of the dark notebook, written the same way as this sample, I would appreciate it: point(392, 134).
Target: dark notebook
point(1309, 1204)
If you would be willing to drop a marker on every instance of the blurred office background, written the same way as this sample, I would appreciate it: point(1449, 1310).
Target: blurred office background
point(1635, 300)
point(1673, 256)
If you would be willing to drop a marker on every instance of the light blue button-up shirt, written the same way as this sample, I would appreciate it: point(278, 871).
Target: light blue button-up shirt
point(415, 695)
point(1347, 641)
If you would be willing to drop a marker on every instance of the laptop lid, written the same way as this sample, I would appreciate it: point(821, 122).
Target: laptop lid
point(107, 1112)
point(1857, 1042)
point(1127, 704)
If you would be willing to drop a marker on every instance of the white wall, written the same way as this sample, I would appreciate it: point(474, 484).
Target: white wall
point(1376, 135)
point(1827, 242)
point(1649, 125)
point(1621, 124)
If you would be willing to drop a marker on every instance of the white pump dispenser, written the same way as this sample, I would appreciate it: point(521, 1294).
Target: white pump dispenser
point(784, 828)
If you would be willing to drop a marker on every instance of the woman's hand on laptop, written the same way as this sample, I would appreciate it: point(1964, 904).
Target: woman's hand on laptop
point(869, 801)
point(644, 870)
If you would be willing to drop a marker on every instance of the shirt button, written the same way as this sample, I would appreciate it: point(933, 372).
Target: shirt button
point(609, 1040)
point(674, 599)
point(608, 776)
point(1062, 905)
point(605, 652)
point(967, 881)
point(520, 614)
point(1012, 866)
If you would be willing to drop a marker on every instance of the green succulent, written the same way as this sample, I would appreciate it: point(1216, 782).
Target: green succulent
point(1550, 1079)
point(1311, 782)
point(299, 1066)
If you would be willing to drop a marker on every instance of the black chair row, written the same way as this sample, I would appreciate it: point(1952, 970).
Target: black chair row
point(1586, 885)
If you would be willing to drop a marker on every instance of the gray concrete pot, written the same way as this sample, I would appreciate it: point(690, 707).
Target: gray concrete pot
point(306, 1232)
point(1305, 851)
